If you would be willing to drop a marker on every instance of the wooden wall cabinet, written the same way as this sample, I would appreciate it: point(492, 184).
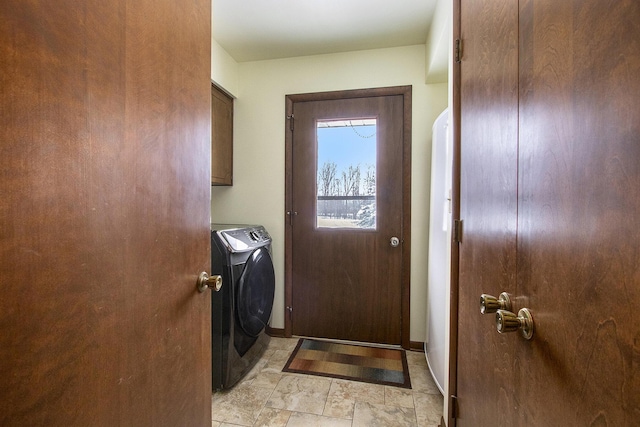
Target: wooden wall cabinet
point(221, 137)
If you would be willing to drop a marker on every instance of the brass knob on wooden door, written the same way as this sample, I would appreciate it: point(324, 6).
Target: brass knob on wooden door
point(209, 282)
point(507, 321)
point(491, 304)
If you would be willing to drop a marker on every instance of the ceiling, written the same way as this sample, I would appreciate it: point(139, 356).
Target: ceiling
point(253, 30)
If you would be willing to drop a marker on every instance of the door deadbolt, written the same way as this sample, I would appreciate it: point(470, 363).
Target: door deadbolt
point(209, 282)
point(507, 321)
point(491, 304)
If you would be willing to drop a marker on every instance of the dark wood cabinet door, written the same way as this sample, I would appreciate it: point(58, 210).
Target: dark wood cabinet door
point(104, 213)
point(221, 137)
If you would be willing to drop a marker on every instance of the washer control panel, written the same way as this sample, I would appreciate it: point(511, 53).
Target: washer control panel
point(242, 238)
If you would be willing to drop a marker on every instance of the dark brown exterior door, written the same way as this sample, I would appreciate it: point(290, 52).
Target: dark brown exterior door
point(104, 213)
point(347, 283)
point(577, 200)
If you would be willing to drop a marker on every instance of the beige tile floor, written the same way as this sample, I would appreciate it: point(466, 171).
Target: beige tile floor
point(269, 397)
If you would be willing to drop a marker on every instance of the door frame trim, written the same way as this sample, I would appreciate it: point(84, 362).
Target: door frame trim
point(451, 385)
point(405, 92)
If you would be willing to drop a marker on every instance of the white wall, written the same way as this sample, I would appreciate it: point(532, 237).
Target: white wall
point(257, 195)
point(224, 70)
point(439, 43)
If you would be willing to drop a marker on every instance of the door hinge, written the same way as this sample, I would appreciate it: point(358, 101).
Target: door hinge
point(457, 230)
point(291, 214)
point(290, 118)
point(458, 51)
point(289, 310)
point(453, 406)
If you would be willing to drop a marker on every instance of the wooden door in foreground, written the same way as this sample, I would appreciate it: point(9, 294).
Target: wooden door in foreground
point(104, 214)
point(488, 207)
point(577, 236)
point(578, 221)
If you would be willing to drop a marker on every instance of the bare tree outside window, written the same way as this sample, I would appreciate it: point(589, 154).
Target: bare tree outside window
point(326, 178)
point(346, 183)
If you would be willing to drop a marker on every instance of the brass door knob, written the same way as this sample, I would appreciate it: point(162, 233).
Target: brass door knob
point(491, 304)
point(507, 321)
point(206, 282)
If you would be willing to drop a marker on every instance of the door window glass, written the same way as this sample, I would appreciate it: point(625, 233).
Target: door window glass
point(346, 174)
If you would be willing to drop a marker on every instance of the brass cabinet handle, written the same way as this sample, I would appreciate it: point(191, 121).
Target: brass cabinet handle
point(209, 282)
point(491, 304)
point(507, 321)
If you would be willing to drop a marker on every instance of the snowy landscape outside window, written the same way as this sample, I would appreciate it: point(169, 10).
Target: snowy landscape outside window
point(346, 174)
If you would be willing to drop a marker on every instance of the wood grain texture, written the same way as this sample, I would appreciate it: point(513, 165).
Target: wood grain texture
point(578, 186)
point(348, 284)
point(104, 213)
point(488, 207)
point(578, 228)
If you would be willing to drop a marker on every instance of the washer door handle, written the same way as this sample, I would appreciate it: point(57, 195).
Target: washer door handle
point(209, 282)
